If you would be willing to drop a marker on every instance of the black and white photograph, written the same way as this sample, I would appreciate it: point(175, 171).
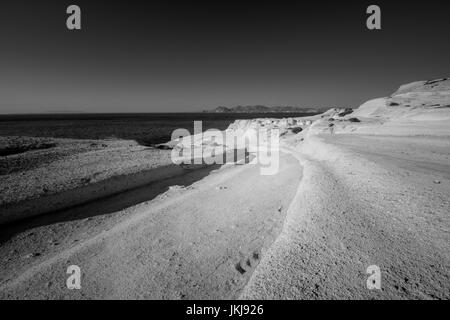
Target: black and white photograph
point(241, 151)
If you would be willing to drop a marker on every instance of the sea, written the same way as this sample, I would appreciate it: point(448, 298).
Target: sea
point(146, 128)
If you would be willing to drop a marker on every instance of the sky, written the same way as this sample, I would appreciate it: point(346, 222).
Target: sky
point(169, 56)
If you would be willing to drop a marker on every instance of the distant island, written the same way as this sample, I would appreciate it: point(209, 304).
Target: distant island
point(263, 109)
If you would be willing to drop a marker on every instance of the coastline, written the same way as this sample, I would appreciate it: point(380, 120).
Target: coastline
point(349, 194)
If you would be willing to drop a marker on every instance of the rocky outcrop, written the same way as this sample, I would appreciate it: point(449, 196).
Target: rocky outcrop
point(281, 124)
point(422, 100)
point(438, 85)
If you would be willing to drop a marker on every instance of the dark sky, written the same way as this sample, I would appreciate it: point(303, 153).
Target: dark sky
point(165, 56)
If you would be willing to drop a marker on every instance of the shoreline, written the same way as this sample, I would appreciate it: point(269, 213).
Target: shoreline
point(355, 189)
point(96, 181)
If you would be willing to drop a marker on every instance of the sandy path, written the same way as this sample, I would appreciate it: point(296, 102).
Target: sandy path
point(363, 201)
point(202, 241)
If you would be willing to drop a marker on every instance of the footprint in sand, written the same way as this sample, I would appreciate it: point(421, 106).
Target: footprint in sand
point(246, 264)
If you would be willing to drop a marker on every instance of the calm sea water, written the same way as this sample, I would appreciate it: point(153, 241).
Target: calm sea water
point(147, 129)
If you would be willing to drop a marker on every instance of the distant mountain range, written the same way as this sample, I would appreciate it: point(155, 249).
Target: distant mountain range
point(264, 109)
